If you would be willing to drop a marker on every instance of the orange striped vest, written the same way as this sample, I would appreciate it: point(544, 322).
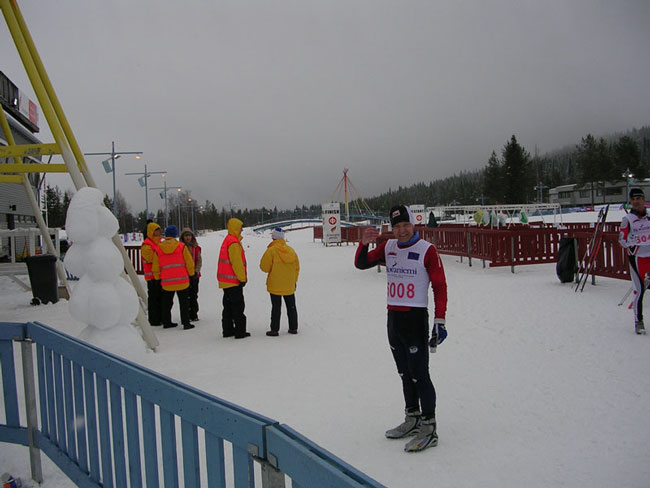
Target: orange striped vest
point(172, 268)
point(146, 266)
point(225, 273)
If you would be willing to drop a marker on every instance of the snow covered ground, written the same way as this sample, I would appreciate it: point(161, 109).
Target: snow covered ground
point(537, 386)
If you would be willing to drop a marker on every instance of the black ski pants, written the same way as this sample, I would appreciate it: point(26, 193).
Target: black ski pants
point(276, 311)
point(154, 302)
point(408, 336)
point(183, 305)
point(233, 320)
point(194, 296)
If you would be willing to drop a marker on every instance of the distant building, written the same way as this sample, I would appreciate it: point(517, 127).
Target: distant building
point(581, 195)
point(22, 115)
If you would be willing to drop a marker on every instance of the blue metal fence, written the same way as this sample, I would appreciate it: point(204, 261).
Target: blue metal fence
point(105, 421)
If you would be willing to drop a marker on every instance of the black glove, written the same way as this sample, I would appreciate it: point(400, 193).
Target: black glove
point(438, 334)
point(242, 284)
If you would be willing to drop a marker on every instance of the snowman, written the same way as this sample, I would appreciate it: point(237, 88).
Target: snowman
point(102, 298)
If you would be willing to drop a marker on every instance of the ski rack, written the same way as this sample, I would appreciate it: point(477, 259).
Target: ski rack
point(65, 145)
point(592, 251)
point(466, 212)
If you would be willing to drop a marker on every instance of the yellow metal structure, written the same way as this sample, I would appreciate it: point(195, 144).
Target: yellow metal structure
point(65, 142)
point(27, 150)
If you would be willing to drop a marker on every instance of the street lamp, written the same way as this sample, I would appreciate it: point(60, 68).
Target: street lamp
point(111, 168)
point(627, 175)
point(163, 195)
point(540, 192)
point(143, 182)
point(189, 200)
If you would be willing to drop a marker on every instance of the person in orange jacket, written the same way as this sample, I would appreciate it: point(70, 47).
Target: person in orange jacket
point(154, 290)
point(231, 275)
point(281, 263)
point(175, 265)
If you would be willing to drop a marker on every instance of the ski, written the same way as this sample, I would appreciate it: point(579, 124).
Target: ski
point(592, 251)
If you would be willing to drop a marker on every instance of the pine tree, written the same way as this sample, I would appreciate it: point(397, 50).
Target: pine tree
point(518, 181)
point(493, 181)
point(55, 212)
point(627, 156)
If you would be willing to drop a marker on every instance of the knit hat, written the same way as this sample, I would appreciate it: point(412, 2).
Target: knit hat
point(277, 233)
point(400, 213)
point(171, 231)
point(636, 192)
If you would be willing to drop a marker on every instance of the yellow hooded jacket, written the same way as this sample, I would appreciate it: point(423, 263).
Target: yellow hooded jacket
point(146, 251)
point(235, 251)
point(281, 263)
point(168, 246)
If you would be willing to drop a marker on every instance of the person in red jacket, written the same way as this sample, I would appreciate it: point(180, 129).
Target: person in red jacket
point(154, 291)
point(174, 263)
point(231, 275)
point(188, 238)
point(411, 265)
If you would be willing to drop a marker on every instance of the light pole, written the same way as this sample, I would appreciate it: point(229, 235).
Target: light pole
point(111, 168)
point(189, 200)
point(143, 182)
point(627, 175)
point(540, 192)
point(163, 195)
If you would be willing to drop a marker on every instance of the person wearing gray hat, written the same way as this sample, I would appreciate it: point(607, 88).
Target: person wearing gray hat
point(634, 236)
point(411, 265)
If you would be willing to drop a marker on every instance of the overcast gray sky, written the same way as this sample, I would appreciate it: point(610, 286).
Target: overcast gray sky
point(264, 102)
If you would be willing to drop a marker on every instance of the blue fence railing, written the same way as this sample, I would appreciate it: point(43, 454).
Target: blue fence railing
point(105, 421)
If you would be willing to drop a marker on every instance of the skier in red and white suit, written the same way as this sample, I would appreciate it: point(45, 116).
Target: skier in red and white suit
point(411, 264)
point(635, 237)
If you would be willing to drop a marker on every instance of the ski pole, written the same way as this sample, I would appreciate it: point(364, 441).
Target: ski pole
point(625, 296)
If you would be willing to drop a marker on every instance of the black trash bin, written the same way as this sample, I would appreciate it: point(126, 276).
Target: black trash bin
point(567, 263)
point(42, 277)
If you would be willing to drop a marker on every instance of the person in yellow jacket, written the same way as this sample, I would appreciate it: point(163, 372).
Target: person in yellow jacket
point(175, 265)
point(231, 275)
point(154, 291)
point(281, 263)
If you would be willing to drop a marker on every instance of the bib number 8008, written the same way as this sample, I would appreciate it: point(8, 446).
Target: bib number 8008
point(397, 290)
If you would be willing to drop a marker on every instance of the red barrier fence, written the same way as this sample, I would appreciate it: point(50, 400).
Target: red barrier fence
point(348, 234)
point(134, 256)
point(521, 246)
point(518, 244)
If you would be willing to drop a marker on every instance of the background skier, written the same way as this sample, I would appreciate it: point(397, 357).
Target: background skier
point(635, 238)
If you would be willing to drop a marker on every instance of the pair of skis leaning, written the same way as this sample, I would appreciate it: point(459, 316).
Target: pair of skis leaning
point(588, 262)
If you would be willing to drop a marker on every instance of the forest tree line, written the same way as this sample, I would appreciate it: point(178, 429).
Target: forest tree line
point(514, 176)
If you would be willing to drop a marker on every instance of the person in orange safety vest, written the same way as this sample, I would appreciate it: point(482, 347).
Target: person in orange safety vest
point(175, 265)
point(154, 290)
point(231, 275)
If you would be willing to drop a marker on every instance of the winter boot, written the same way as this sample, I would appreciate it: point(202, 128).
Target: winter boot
point(410, 426)
point(426, 437)
point(639, 328)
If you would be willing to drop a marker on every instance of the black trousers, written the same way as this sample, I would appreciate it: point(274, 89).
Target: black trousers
point(194, 296)
point(233, 320)
point(183, 304)
point(408, 336)
point(276, 311)
point(154, 302)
